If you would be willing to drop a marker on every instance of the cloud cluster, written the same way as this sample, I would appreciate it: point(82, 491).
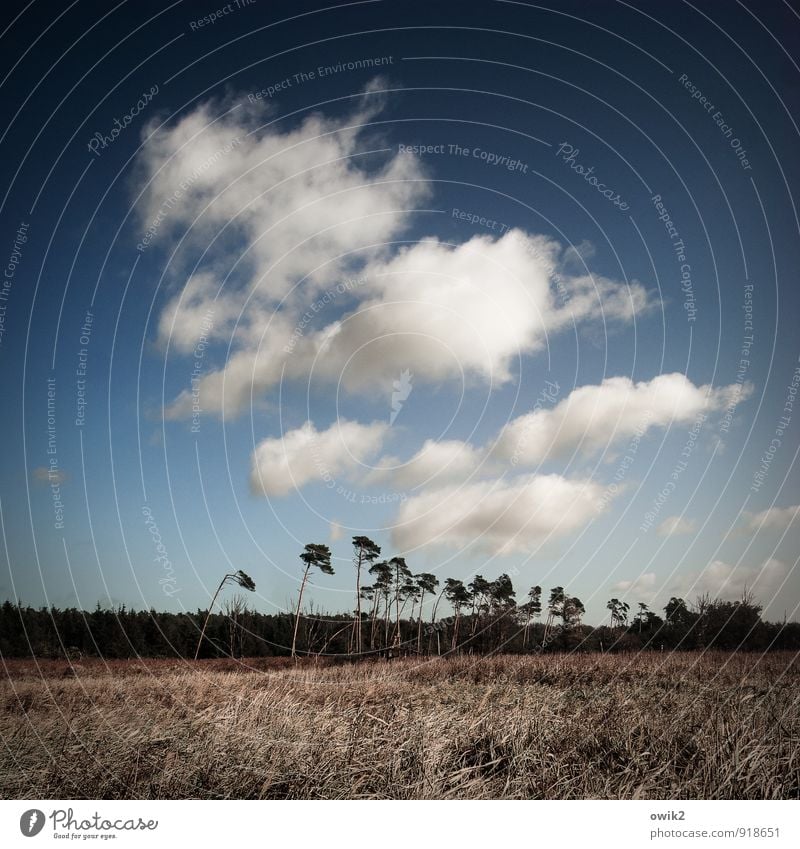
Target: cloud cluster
point(774, 518)
point(311, 208)
point(596, 417)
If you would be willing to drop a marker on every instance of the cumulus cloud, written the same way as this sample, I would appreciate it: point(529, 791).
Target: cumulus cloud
point(300, 197)
point(774, 518)
point(280, 465)
point(437, 462)
point(582, 421)
point(594, 417)
point(501, 517)
point(274, 217)
point(675, 525)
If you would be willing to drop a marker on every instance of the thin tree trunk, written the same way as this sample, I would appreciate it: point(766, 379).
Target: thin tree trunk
point(357, 623)
point(387, 614)
point(419, 624)
point(203, 630)
point(376, 603)
point(455, 628)
point(297, 614)
point(397, 603)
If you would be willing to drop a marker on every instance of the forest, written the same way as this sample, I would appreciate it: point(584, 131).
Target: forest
point(483, 617)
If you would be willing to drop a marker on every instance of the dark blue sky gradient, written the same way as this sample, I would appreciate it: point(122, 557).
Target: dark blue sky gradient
point(514, 79)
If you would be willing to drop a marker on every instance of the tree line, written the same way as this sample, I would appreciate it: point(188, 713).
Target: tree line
point(390, 619)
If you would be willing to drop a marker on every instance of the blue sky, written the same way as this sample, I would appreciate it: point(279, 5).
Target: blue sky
point(482, 297)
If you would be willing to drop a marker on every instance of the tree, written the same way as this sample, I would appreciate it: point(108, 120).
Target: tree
point(532, 609)
point(400, 574)
point(642, 616)
point(479, 591)
point(459, 597)
point(240, 578)
point(555, 609)
point(426, 583)
point(619, 612)
point(320, 557)
point(235, 610)
point(382, 572)
point(364, 551)
point(573, 611)
point(676, 611)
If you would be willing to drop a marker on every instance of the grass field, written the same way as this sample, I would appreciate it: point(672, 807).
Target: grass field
point(557, 727)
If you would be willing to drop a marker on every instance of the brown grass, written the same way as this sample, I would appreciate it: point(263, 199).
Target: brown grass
point(556, 727)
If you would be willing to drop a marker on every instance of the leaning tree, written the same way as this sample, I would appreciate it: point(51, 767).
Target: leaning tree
point(320, 557)
point(365, 551)
point(240, 578)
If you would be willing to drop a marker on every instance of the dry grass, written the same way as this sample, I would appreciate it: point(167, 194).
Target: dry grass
point(646, 726)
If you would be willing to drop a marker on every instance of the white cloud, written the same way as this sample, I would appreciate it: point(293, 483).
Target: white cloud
point(310, 210)
point(280, 465)
point(497, 516)
point(675, 525)
point(301, 197)
point(595, 417)
point(335, 531)
point(435, 463)
point(774, 518)
point(464, 312)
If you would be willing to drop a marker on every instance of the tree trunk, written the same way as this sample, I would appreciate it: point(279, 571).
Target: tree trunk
point(203, 630)
point(419, 624)
point(357, 623)
point(297, 615)
point(455, 628)
point(525, 632)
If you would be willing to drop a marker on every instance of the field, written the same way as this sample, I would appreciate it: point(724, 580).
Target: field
point(675, 725)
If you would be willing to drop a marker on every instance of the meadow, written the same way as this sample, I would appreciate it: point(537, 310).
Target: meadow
point(706, 725)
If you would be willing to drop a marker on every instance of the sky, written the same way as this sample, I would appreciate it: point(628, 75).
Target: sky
point(506, 287)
